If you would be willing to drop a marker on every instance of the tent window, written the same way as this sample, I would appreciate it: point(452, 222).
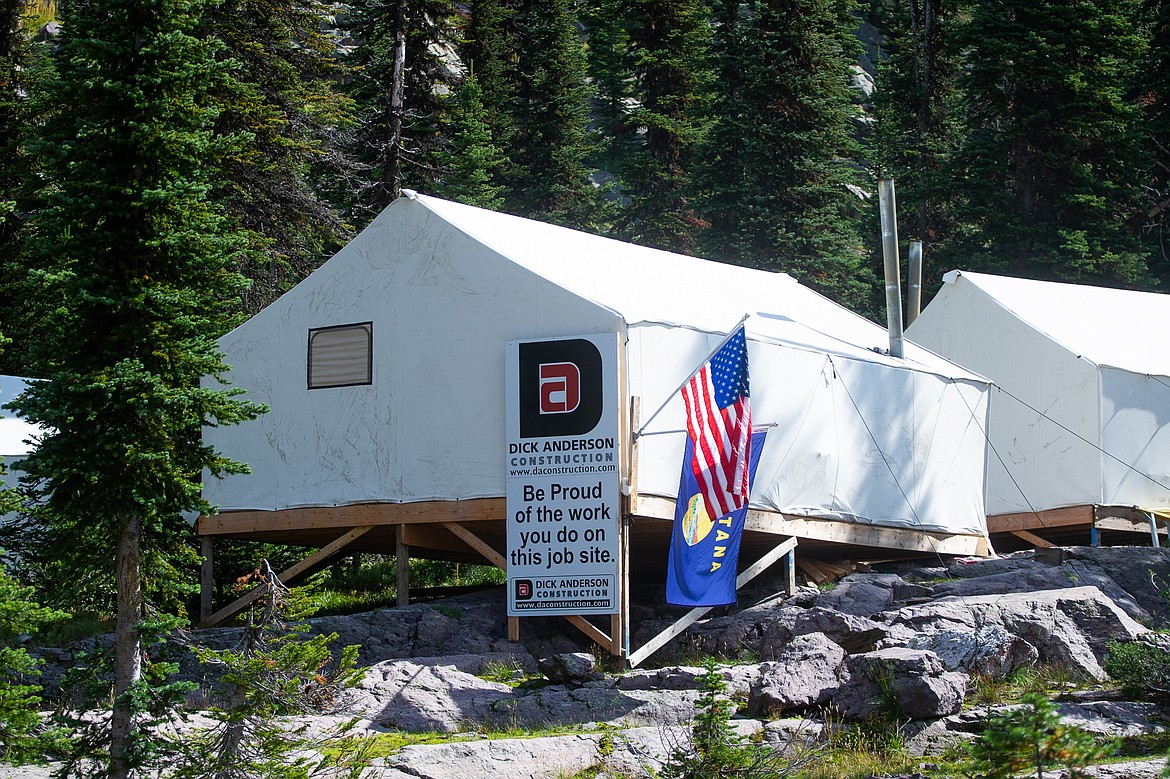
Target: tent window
point(341, 356)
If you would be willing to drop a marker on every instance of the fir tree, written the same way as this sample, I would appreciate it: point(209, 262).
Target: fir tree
point(137, 266)
point(550, 142)
point(396, 76)
point(919, 121)
point(470, 156)
point(779, 181)
point(282, 92)
point(1050, 166)
point(1156, 127)
point(669, 43)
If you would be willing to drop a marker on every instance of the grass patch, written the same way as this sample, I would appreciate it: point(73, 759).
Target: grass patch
point(1041, 680)
point(865, 750)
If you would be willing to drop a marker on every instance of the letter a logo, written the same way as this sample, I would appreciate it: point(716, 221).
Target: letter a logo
point(560, 385)
point(560, 388)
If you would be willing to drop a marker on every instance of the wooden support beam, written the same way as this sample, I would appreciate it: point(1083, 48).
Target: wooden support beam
point(402, 566)
point(1033, 539)
point(694, 615)
point(287, 576)
point(590, 630)
point(206, 578)
point(472, 540)
point(513, 628)
point(357, 515)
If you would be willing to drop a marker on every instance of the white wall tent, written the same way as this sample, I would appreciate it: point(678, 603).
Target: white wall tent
point(15, 433)
point(1082, 413)
point(437, 288)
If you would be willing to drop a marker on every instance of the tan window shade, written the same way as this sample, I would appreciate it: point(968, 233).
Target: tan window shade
point(341, 356)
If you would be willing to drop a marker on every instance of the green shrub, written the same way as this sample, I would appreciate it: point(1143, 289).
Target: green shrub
point(1142, 670)
point(1033, 737)
point(715, 749)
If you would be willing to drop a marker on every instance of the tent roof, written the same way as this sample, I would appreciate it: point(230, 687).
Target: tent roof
point(649, 286)
point(14, 431)
point(1111, 327)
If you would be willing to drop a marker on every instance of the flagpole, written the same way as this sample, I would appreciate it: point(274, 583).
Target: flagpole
point(707, 359)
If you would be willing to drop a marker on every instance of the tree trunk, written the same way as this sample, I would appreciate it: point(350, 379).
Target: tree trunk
point(392, 174)
point(127, 641)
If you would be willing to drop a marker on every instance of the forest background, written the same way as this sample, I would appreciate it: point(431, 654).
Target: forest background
point(1030, 138)
point(169, 167)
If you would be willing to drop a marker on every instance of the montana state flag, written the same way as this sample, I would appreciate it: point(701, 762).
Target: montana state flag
point(704, 552)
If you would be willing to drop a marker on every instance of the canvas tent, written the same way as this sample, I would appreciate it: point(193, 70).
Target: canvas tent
point(413, 316)
point(15, 433)
point(1081, 413)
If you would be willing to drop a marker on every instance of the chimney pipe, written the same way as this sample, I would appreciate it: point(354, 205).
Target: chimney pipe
point(914, 283)
point(889, 209)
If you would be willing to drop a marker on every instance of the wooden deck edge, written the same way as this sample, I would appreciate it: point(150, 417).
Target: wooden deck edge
point(242, 523)
point(1037, 520)
point(838, 531)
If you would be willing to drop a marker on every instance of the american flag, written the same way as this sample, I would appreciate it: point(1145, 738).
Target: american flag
point(719, 422)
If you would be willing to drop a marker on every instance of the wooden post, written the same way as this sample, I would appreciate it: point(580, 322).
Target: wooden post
point(402, 562)
point(790, 573)
point(206, 577)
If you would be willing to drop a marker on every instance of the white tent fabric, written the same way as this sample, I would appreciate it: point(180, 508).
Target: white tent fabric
point(1082, 413)
point(859, 435)
point(15, 433)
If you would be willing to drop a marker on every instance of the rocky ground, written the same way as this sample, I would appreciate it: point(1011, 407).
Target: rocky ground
point(926, 630)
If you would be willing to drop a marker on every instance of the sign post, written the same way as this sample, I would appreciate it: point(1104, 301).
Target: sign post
point(563, 486)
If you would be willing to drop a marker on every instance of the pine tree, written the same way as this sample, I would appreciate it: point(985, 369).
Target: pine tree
point(550, 142)
point(779, 181)
point(919, 121)
point(470, 156)
point(1050, 166)
point(489, 51)
point(669, 46)
point(282, 92)
point(396, 76)
point(138, 267)
point(18, 68)
point(1156, 125)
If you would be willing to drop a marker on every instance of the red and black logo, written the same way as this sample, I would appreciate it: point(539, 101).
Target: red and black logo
point(523, 589)
point(560, 388)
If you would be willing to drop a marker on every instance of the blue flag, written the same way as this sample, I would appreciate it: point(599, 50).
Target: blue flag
point(704, 553)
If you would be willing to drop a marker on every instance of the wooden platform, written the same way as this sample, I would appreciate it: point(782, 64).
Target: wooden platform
point(425, 528)
point(1084, 525)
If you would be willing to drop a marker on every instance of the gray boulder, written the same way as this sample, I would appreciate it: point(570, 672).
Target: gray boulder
point(902, 683)
point(990, 651)
point(807, 672)
point(862, 594)
point(559, 705)
point(570, 667)
point(1070, 627)
point(405, 695)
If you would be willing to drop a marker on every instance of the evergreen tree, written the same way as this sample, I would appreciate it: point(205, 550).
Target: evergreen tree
point(22, 739)
point(550, 142)
point(1157, 138)
point(137, 266)
point(396, 76)
point(489, 52)
point(282, 93)
point(470, 156)
point(1049, 169)
point(779, 181)
point(919, 117)
point(669, 42)
point(17, 118)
